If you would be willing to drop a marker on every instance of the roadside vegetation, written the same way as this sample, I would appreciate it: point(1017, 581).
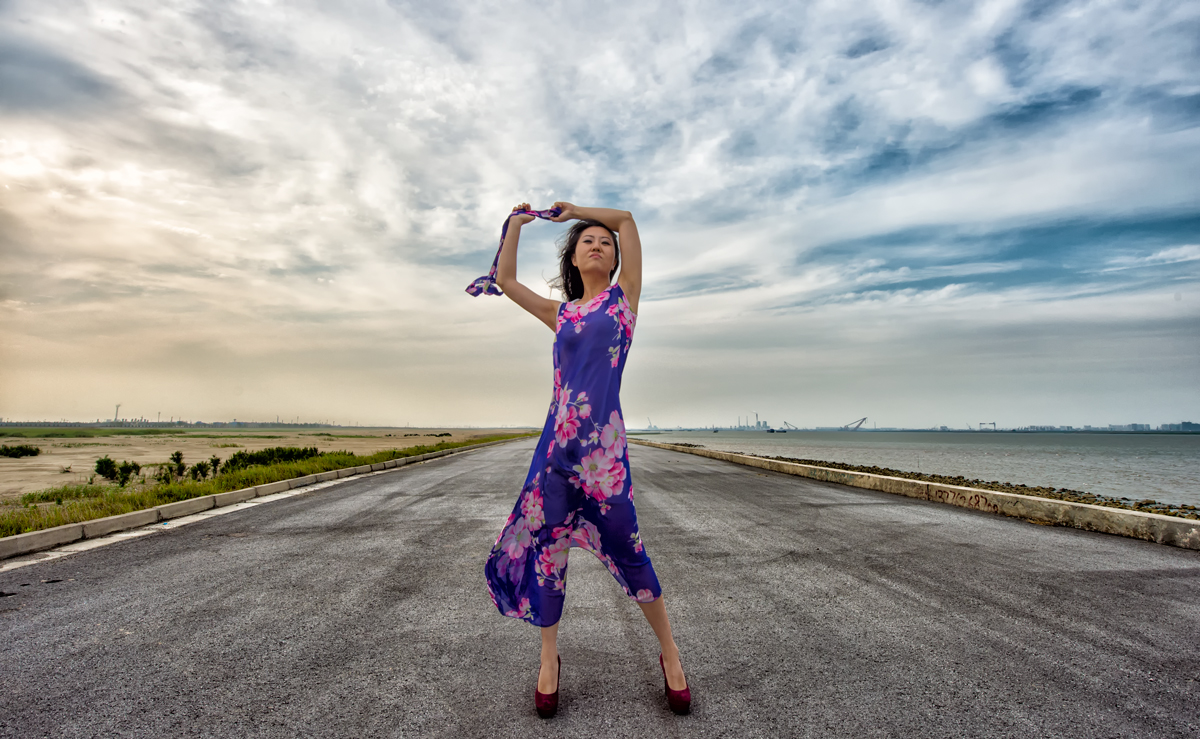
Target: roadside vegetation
point(19, 450)
point(122, 487)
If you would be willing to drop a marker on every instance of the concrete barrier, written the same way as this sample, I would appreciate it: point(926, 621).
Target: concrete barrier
point(272, 487)
point(234, 496)
point(36, 541)
point(120, 522)
point(1170, 530)
point(185, 507)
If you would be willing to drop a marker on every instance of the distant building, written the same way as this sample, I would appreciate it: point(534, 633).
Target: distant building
point(1189, 426)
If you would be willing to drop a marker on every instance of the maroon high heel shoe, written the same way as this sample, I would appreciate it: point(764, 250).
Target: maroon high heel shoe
point(680, 701)
point(547, 703)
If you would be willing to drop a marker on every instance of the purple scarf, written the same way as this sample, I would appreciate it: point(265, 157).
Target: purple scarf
point(486, 285)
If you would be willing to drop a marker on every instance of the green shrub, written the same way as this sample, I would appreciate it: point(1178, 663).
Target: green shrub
point(179, 467)
point(126, 471)
point(273, 455)
point(199, 471)
point(106, 468)
point(19, 450)
point(119, 473)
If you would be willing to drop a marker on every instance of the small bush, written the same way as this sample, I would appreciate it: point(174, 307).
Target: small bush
point(179, 466)
point(106, 468)
point(274, 455)
point(199, 471)
point(119, 473)
point(126, 471)
point(20, 450)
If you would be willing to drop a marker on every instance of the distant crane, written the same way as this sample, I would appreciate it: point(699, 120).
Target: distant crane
point(854, 425)
point(987, 423)
point(793, 428)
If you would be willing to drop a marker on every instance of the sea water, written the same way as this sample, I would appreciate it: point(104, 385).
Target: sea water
point(1165, 467)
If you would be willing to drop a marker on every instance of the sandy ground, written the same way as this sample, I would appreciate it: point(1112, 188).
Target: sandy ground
point(64, 461)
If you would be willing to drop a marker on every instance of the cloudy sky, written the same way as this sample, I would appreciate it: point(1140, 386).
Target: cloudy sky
point(921, 212)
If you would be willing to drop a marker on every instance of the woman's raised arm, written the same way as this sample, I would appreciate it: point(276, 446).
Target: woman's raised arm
point(544, 309)
point(622, 222)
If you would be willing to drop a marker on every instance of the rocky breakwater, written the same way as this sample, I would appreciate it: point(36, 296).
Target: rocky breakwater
point(1145, 505)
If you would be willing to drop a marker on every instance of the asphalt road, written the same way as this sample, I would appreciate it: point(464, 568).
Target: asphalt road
point(801, 609)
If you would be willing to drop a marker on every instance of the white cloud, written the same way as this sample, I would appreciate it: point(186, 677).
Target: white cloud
point(196, 194)
point(1174, 255)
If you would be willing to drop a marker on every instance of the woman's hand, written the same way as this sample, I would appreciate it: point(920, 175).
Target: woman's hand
point(521, 218)
point(568, 212)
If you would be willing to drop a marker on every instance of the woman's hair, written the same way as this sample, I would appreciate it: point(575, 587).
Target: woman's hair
point(569, 281)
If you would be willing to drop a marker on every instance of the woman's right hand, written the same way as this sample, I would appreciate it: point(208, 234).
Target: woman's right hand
point(567, 214)
point(521, 218)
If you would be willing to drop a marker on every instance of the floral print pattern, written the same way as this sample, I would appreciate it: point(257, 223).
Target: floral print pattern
point(579, 491)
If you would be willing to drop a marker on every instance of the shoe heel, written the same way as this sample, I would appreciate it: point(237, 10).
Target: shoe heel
point(547, 703)
point(679, 701)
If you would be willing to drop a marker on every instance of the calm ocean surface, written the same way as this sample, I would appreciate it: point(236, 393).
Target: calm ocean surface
point(1163, 467)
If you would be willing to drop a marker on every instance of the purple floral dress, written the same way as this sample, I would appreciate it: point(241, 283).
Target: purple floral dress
point(578, 492)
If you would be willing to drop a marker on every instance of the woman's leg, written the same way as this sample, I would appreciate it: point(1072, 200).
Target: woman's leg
point(548, 676)
point(656, 614)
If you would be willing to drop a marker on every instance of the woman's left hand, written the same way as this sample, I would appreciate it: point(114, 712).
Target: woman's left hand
point(521, 218)
point(567, 214)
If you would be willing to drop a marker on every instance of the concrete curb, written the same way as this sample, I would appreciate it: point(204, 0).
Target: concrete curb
point(36, 541)
point(1171, 530)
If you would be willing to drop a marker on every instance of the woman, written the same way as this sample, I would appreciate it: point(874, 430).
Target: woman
point(579, 492)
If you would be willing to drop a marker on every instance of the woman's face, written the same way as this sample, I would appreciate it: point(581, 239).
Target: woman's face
point(595, 252)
